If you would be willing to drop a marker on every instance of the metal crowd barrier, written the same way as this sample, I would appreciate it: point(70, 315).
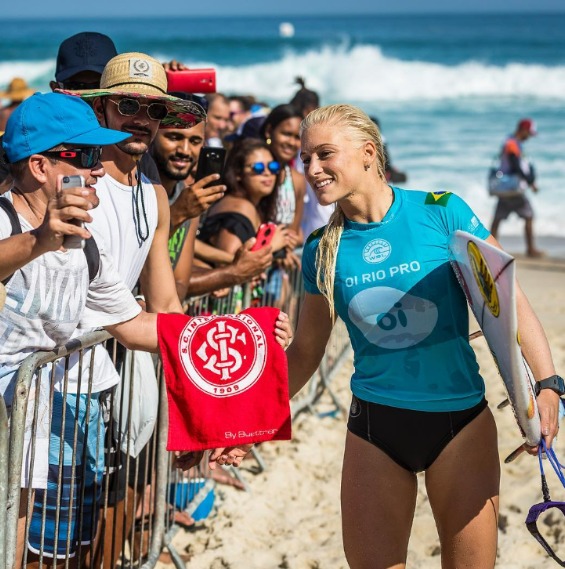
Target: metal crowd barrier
point(4, 470)
point(139, 498)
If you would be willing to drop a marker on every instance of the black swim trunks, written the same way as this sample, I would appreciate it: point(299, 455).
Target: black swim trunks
point(413, 439)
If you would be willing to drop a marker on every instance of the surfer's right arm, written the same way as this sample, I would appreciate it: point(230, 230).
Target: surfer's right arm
point(537, 353)
point(309, 344)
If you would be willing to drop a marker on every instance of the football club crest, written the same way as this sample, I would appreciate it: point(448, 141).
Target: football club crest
point(223, 356)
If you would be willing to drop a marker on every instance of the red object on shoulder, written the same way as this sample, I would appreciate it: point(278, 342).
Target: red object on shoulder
point(227, 379)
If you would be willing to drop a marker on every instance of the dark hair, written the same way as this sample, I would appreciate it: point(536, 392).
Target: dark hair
point(212, 97)
point(247, 101)
point(235, 164)
point(279, 114)
point(304, 98)
point(199, 100)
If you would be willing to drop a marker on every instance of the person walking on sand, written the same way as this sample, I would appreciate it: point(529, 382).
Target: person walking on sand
point(382, 264)
point(512, 162)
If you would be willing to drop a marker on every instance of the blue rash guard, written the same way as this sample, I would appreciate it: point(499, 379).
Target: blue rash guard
point(405, 312)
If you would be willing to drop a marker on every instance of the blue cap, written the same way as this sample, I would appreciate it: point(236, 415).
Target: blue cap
point(87, 51)
point(46, 120)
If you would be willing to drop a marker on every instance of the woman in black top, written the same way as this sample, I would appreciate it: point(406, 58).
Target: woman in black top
point(251, 176)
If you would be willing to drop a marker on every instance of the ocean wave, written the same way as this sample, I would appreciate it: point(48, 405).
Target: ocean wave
point(363, 73)
point(36, 73)
point(359, 74)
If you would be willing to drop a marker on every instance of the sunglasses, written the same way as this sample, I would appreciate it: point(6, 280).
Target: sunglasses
point(86, 157)
point(79, 85)
point(259, 167)
point(130, 107)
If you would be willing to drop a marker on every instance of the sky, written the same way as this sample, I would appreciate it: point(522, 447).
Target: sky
point(108, 8)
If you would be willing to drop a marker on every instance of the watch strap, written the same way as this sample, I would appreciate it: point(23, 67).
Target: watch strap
point(554, 382)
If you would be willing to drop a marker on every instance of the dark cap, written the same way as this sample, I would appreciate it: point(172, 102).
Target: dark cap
point(87, 51)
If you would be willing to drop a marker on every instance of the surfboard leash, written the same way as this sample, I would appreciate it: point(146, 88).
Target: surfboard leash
point(537, 509)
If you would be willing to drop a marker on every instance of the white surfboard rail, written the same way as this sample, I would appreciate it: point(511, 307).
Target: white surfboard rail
point(487, 276)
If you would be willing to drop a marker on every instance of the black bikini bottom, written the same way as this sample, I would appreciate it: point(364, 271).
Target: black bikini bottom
point(413, 439)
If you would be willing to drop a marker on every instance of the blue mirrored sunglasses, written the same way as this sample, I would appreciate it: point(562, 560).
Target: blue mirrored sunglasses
point(259, 167)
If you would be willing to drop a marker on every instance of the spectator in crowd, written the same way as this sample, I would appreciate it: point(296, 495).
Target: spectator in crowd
point(176, 153)
point(514, 163)
point(251, 176)
point(133, 218)
point(281, 132)
point(304, 100)
point(393, 174)
point(48, 137)
point(17, 92)
point(81, 60)
point(217, 121)
point(240, 111)
point(315, 215)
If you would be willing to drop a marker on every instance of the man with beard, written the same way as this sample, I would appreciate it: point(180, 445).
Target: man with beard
point(134, 222)
point(176, 153)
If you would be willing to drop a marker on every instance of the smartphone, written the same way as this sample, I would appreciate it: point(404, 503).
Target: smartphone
point(210, 161)
point(264, 236)
point(73, 241)
point(192, 80)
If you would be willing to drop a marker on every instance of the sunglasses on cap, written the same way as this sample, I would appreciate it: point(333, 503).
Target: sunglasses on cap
point(86, 157)
point(259, 167)
point(130, 107)
point(538, 509)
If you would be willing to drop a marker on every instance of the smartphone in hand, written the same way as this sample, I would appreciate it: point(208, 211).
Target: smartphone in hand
point(210, 161)
point(73, 241)
point(264, 236)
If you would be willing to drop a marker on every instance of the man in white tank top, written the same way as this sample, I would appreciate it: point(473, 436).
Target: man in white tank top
point(133, 221)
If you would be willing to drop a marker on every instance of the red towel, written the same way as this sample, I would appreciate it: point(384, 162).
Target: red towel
point(227, 379)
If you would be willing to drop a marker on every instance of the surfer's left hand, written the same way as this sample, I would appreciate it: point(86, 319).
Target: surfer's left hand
point(548, 406)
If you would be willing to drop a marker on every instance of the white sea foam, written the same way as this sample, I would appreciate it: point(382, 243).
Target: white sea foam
point(363, 73)
point(36, 73)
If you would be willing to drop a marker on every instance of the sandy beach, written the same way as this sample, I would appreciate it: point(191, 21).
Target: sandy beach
point(291, 517)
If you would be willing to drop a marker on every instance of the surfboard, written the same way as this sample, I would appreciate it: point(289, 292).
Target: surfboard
point(487, 276)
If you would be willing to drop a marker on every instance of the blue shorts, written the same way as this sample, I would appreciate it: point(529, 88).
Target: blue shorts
point(274, 284)
point(76, 495)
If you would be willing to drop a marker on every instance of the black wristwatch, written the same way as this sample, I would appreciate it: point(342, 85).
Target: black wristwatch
point(555, 382)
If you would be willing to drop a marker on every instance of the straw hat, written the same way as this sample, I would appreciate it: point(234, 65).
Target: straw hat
point(140, 76)
point(17, 90)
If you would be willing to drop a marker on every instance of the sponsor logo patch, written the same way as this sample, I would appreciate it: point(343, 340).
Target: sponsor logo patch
point(483, 278)
point(376, 251)
point(140, 68)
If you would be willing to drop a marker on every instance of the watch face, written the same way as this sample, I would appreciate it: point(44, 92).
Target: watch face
point(560, 382)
